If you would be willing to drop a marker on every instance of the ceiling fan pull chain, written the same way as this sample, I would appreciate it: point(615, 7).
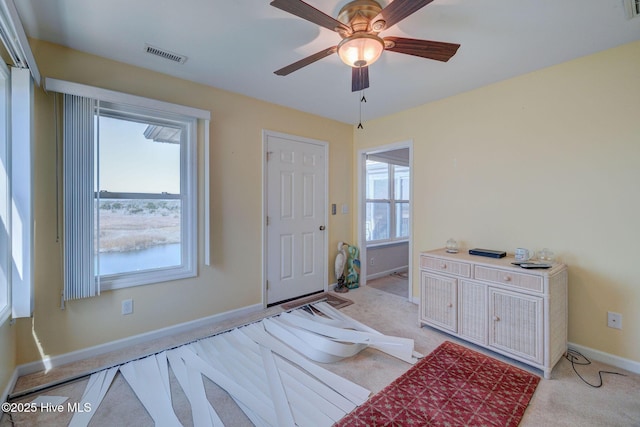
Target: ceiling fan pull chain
point(362, 99)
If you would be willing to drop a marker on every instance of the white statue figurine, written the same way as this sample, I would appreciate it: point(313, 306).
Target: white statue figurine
point(341, 260)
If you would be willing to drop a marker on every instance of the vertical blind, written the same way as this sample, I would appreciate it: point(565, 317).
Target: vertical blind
point(80, 280)
point(81, 105)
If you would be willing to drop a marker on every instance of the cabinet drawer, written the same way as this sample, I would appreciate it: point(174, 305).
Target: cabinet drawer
point(509, 278)
point(445, 266)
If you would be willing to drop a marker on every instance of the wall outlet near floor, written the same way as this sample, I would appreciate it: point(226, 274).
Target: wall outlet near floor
point(127, 306)
point(614, 320)
point(372, 261)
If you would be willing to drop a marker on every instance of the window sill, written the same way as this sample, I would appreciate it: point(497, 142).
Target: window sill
point(387, 243)
point(146, 278)
point(5, 316)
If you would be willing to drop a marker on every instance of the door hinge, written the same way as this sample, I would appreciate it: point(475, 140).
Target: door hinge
point(267, 221)
point(267, 285)
point(269, 155)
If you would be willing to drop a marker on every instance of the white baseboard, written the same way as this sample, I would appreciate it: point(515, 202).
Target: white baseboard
point(609, 359)
point(86, 353)
point(388, 272)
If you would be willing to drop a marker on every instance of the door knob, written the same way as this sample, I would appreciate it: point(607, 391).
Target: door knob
point(322, 227)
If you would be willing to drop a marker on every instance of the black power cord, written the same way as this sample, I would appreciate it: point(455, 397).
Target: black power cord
point(576, 358)
point(9, 419)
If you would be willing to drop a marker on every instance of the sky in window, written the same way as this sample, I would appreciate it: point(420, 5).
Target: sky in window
point(131, 163)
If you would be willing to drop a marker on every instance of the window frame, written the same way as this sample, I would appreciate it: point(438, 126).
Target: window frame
point(201, 120)
point(396, 201)
point(188, 196)
point(392, 201)
point(5, 182)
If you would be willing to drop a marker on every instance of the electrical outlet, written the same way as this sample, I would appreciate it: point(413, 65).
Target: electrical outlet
point(372, 261)
point(614, 320)
point(127, 306)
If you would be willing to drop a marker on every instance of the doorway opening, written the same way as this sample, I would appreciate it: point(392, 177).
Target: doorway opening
point(384, 224)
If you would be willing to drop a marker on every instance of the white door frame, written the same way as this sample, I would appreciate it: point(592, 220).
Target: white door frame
point(325, 272)
point(362, 243)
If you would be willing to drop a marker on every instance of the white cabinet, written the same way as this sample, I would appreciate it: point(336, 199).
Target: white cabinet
point(490, 302)
point(473, 303)
point(439, 301)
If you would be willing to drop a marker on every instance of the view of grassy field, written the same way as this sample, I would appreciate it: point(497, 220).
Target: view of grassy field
point(132, 225)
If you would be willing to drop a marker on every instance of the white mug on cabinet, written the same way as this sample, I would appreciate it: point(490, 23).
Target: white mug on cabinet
point(523, 254)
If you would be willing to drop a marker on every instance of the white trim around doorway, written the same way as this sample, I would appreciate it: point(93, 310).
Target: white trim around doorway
point(361, 159)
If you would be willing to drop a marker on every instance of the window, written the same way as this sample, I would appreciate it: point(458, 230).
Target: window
point(387, 201)
point(5, 197)
point(130, 189)
point(130, 196)
point(141, 203)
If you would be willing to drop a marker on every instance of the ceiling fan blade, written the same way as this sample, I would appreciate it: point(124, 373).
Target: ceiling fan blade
point(359, 78)
point(440, 51)
point(310, 13)
point(396, 11)
point(306, 61)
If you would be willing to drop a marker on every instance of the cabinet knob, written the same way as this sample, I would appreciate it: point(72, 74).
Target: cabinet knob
point(443, 266)
point(507, 278)
point(450, 305)
point(496, 319)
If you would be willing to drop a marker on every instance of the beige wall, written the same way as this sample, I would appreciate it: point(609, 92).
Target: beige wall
point(7, 354)
point(548, 159)
point(234, 280)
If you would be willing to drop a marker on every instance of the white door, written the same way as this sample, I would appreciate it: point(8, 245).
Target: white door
point(296, 232)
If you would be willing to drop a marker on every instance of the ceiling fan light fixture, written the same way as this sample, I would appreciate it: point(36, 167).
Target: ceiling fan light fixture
point(361, 49)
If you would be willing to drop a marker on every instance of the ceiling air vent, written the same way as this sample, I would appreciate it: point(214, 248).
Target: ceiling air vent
point(632, 7)
point(175, 57)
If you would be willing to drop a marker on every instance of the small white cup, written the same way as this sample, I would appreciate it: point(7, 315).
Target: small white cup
point(522, 254)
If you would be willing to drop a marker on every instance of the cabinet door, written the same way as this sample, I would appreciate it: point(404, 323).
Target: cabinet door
point(439, 301)
point(515, 324)
point(472, 318)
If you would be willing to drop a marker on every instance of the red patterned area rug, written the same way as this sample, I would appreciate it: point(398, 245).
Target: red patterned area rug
point(452, 386)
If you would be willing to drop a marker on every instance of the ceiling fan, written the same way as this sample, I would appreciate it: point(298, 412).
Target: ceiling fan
point(359, 22)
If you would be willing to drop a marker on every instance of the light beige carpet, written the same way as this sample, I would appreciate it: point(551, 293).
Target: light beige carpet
point(562, 401)
point(396, 284)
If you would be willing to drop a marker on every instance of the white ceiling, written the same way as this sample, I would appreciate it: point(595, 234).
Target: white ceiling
point(237, 45)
